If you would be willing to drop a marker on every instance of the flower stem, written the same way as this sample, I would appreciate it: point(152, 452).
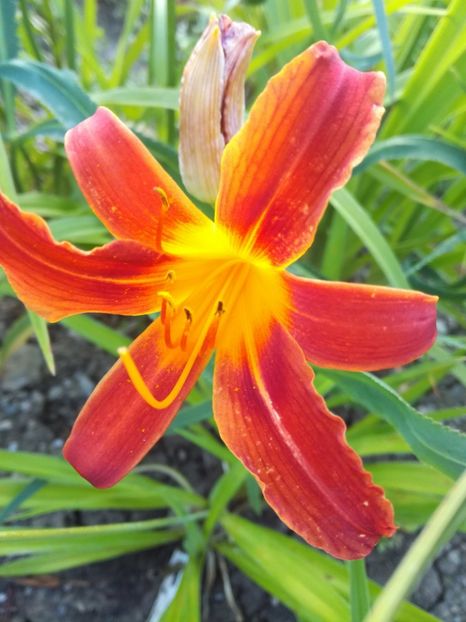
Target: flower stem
point(359, 590)
point(441, 527)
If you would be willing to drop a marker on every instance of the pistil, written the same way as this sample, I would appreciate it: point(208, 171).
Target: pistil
point(206, 338)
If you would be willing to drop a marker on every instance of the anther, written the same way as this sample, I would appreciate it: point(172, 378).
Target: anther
point(167, 298)
point(163, 210)
point(163, 195)
point(167, 302)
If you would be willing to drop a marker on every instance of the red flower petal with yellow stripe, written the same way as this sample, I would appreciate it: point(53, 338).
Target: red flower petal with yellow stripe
point(222, 286)
point(117, 427)
point(57, 279)
point(119, 178)
point(314, 121)
point(359, 327)
point(273, 420)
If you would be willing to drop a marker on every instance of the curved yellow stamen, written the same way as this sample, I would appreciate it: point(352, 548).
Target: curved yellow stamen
point(139, 383)
point(209, 327)
point(208, 332)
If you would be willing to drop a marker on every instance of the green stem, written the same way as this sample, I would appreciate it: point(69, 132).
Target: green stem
point(359, 590)
point(7, 184)
point(382, 25)
point(318, 27)
point(171, 69)
point(339, 14)
point(29, 30)
point(54, 40)
point(70, 42)
point(28, 491)
point(162, 55)
point(165, 470)
point(133, 526)
point(441, 527)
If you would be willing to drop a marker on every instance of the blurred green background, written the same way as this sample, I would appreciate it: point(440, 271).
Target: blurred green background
point(400, 221)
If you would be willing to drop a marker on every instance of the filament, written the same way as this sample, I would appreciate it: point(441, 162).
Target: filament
point(167, 314)
point(187, 328)
point(167, 335)
point(207, 336)
point(141, 387)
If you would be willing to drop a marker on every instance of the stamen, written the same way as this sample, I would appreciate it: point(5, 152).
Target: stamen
point(167, 301)
point(187, 328)
point(163, 210)
point(167, 335)
point(167, 313)
point(206, 338)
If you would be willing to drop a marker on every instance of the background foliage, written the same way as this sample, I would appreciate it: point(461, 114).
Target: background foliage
point(399, 221)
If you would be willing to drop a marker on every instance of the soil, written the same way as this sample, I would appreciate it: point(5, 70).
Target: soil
point(36, 414)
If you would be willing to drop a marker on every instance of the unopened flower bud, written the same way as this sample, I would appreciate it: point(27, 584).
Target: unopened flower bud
point(212, 101)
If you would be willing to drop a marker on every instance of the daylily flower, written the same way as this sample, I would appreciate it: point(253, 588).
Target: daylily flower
point(212, 101)
point(224, 286)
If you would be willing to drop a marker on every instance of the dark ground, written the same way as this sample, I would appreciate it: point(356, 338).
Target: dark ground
point(36, 413)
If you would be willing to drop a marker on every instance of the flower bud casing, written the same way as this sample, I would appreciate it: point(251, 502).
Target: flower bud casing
point(212, 101)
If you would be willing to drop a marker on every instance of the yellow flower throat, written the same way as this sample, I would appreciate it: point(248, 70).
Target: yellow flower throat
point(216, 294)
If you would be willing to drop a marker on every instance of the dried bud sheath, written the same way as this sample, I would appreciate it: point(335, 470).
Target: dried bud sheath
point(212, 101)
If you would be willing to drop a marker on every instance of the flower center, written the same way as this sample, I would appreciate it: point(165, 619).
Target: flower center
point(212, 296)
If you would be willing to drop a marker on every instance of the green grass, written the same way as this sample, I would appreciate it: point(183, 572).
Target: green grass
point(398, 222)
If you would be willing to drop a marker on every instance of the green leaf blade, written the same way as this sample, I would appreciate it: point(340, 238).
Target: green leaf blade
point(57, 89)
point(440, 446)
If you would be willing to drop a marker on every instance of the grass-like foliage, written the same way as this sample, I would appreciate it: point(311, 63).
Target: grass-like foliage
point(398, 222)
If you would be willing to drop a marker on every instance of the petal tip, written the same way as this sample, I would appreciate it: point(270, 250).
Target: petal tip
point(323, 49)
point(77, 457)
point(102, 114)
point(378, 87)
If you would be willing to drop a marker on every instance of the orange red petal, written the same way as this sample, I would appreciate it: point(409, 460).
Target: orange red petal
point(119, 177)
point(272, 419)
point(116, 428)
point(360, 327)
point(313, 122)
point(57, 279)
